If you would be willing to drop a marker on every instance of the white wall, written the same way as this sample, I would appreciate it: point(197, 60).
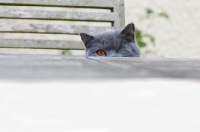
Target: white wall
point(176, 37)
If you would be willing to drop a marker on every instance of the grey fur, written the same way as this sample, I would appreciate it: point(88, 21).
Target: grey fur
point(119, 43)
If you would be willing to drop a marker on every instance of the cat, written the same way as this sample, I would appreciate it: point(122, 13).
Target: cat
point(118, 43)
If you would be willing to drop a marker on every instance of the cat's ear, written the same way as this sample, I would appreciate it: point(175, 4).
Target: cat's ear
point(128, 32)
point(86, 38)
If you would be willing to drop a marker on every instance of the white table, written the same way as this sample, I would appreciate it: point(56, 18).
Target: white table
point(77, 94)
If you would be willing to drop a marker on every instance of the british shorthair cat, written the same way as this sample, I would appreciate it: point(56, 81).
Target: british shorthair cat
point(118, 43)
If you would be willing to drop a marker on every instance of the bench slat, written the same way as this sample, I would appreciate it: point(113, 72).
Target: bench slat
point(51, 28)
point(41, 44)
point(62, 3)
point(57, 15)
point(115, 6)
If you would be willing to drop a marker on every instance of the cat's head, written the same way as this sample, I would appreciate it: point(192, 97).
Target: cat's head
point(119, 43)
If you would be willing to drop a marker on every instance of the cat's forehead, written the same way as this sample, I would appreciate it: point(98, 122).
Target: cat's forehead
point(106, 41)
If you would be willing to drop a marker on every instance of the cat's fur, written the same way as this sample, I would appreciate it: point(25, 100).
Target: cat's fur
point(119, 43)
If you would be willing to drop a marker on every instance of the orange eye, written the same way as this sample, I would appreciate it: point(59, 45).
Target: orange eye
point(101, 52)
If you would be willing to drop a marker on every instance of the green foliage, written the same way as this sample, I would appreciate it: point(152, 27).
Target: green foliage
point(66, 52)
point(139, 38)
point(141, 35)
point(149, 11)
point(163, 14)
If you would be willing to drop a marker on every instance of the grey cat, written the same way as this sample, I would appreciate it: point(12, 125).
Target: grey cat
point(119, 43)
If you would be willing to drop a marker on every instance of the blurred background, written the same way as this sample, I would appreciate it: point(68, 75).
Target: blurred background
point(166, 29)
point(173, 25)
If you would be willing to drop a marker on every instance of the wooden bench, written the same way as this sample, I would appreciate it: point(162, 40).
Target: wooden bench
point(115, 16)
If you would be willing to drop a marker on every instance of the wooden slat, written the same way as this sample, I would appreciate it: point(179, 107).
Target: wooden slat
point(62, 3)
point(119, 10)
point(41, 44)
point(57, 15)
point(51, 28)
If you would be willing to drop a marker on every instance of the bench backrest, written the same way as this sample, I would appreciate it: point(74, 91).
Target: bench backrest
point(115, 17)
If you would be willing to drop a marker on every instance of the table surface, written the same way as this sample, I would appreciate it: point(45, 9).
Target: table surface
point(65, 67)
point(129, 101)
point(116, 105)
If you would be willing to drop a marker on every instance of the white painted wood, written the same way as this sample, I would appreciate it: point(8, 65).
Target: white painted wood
point(41, 44)
point(58, 15)
point(51, 28)
point(62, 3)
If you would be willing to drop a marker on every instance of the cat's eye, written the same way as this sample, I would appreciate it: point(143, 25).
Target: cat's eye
point(101, 53)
